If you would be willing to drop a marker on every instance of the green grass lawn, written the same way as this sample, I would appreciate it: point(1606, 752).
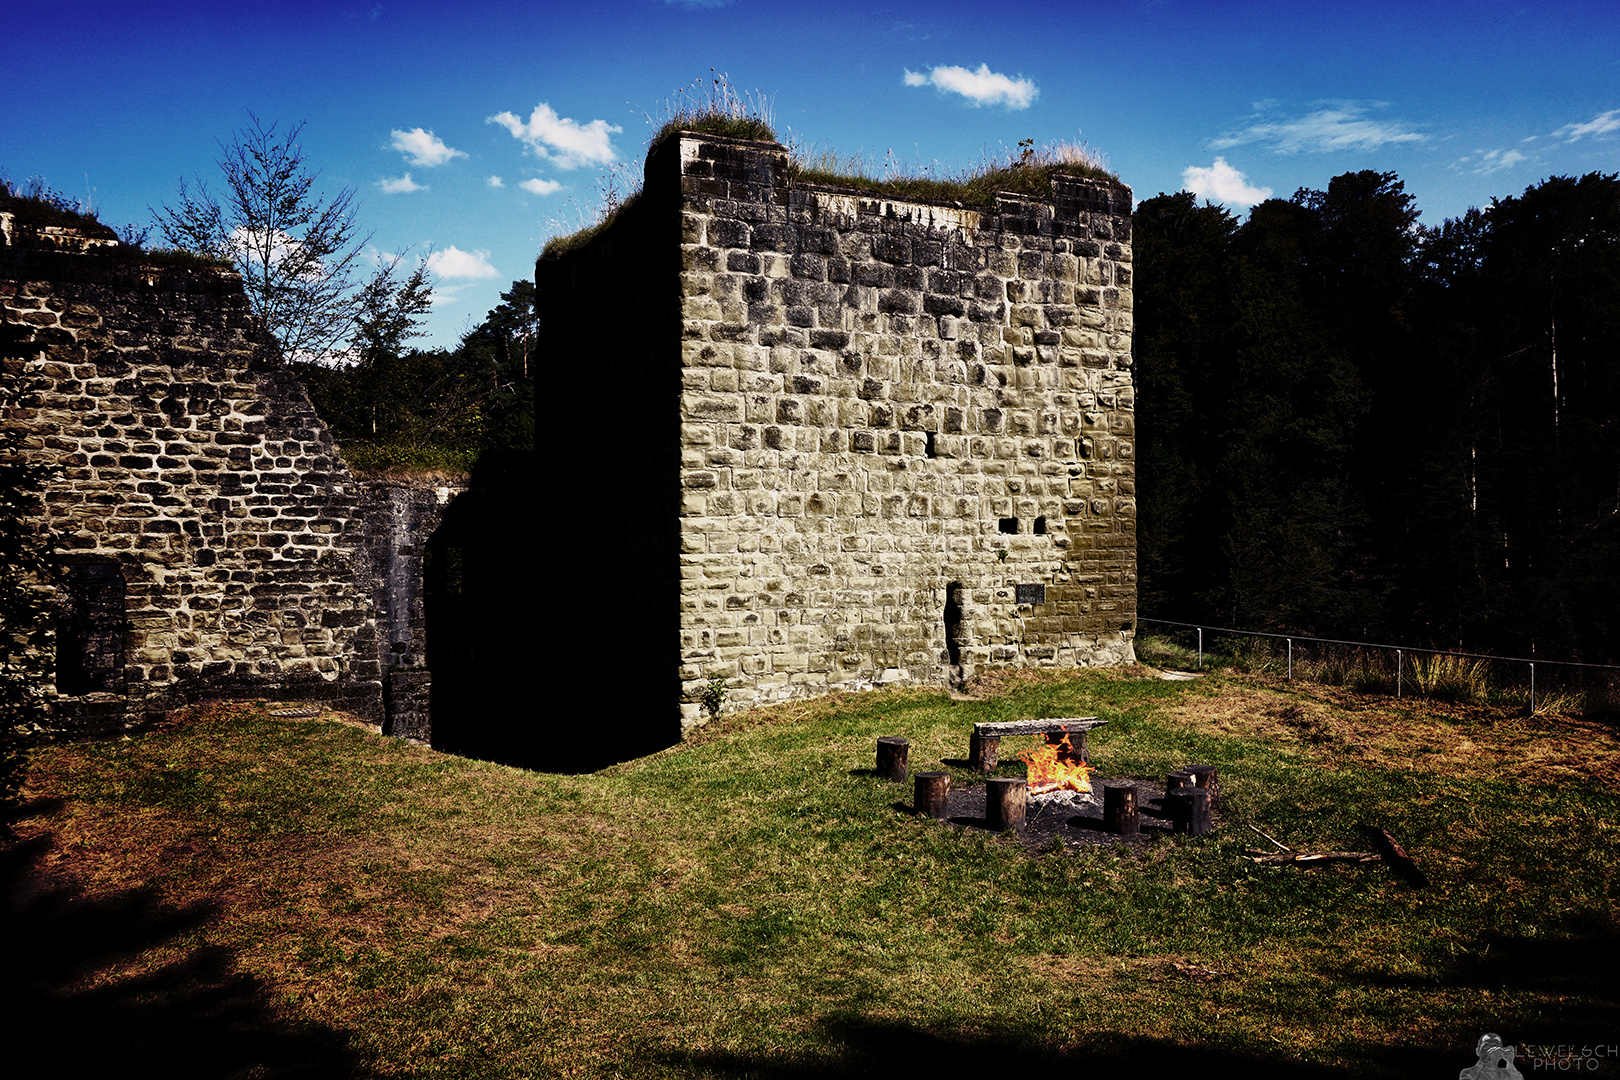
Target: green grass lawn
point(242, 896)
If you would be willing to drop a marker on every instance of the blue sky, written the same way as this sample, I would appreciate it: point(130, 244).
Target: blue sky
point(420, 106)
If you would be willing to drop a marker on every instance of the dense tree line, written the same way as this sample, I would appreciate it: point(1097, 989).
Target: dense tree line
point(436, 407)
point(1353, 425)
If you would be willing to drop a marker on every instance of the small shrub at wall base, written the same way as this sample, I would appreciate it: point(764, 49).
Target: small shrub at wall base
point(714, 696)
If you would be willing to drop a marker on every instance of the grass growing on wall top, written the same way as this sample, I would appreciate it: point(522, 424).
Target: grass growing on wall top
point(755, 902)
point(710, 107)
point(715, 107)
point(37, 205)
point(376, 460)
point(561, 245)
point(1027, 171)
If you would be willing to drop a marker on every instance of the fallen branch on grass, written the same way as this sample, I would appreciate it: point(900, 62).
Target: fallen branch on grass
point(1390, 852)
point(1308, 858)
point(1273, 839)
point(1399, 861)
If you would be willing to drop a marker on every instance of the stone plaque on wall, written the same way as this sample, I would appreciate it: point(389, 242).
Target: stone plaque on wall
point(1031, 594)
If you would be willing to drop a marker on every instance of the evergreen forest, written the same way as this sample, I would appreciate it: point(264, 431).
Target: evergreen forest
point(1353, 425)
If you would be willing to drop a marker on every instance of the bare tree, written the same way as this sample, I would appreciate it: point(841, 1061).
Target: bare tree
point(300, 253)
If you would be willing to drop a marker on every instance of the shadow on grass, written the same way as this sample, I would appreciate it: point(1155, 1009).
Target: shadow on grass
point(871, 1048)
point(1569, 972)
point(193, 1016)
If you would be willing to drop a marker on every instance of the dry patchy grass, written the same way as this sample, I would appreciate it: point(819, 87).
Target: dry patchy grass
point(751, 902)
point(1444, 739)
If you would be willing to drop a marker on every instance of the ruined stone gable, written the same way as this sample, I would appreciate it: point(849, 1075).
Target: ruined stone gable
point(207, 537)
point(826, 439)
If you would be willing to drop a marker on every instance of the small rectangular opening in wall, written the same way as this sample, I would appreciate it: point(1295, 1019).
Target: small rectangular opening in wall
point(928, 444)
point(1009, 525)
point(90, 629)
point(1040, 526)
point(956, 626)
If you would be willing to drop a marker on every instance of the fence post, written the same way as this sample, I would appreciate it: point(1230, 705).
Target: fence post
point(1200, 648)
point(1532, 688)
point(1397, 673)
point(1290, 659)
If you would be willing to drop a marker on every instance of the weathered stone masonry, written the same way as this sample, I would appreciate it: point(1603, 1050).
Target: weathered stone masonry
point(207, 535)
point(880, 424)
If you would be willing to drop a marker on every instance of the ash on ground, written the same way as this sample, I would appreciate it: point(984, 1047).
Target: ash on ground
point(1073, 818)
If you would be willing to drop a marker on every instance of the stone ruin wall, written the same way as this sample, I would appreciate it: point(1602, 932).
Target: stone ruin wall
point(208, 538)
point(892, 414)
point(882, 398)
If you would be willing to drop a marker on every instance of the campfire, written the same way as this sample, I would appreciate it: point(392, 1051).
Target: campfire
point(1056, 791)
point(1057, 767)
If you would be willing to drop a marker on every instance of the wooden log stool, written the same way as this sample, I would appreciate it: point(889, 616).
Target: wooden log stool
point(1005, 800)
point(930, 793)
point(984, 751)
point(1206, 777)
point(892, 752)
point(1188, 810)
point(1119, 810)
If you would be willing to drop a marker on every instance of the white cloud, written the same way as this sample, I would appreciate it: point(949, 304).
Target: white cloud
point(1341, 126)
point(423, 148)
point(279, 248)
point(447, 294)
point(982, 87)
point(495, 181)
point(1602, 124)
point(452, 262)
point(404, 185)
point(540, 187)
point(1223, 184)
point(1491, 161)
point(567, 143)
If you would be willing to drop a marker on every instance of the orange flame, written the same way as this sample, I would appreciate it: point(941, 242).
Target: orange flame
point(1056, 767)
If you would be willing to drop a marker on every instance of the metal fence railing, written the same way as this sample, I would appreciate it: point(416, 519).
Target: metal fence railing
point(1438, 672)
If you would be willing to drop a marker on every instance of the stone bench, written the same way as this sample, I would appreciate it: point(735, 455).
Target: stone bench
point(984, 749)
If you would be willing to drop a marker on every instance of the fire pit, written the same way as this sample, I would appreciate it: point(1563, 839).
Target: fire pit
point(1076, 824)
point(1060, 799)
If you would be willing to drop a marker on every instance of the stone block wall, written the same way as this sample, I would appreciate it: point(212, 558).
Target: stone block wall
point(903, 432)
point(398, 517)
point(197, 484)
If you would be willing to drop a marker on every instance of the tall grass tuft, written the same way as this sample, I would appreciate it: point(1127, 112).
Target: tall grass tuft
point(711, 106)
point(1451, 678)
point(714, 107)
